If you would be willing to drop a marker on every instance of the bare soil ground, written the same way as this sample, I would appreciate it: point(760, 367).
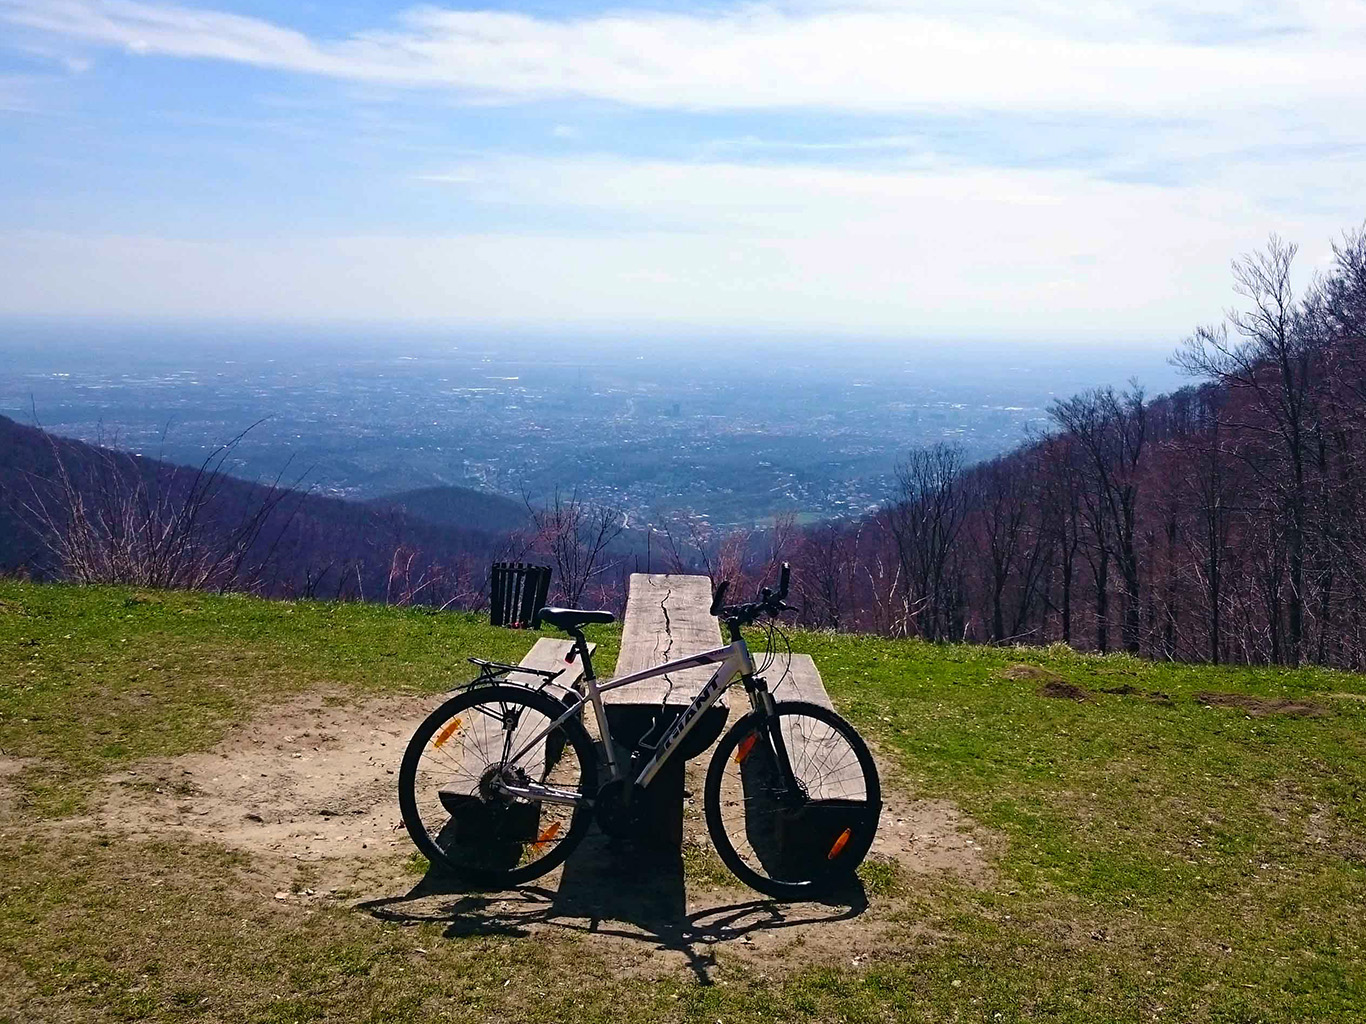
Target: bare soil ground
point(9, 768)
point(311, 780)
point(309, 789)
point(1261, 706)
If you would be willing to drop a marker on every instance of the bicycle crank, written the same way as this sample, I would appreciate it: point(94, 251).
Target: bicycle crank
point(616, 817)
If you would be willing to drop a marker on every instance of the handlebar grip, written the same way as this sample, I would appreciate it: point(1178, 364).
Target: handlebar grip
point(783, 580)
point(718, 599)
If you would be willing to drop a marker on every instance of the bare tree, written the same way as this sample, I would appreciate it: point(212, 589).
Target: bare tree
point(1062, 516)
point(578, 537)
point(1001, 499)
point(1267, 356)
point(1340, 297)
point(925, 521)
point(825, 575)
point(110, 518)
point(1208, 482)
point(1111, 430)
point(691, 543)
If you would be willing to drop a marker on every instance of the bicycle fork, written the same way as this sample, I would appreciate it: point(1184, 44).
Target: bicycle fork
point(761, 700)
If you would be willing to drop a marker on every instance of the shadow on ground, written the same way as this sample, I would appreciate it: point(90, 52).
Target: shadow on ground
point(631, 894)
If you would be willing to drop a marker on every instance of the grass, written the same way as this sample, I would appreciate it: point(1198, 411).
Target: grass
point(1152, 859)
point(95, 678)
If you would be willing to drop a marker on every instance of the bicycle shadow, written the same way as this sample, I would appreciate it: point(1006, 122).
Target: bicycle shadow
point(633, 894)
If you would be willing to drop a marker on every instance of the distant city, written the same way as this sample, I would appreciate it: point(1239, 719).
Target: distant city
point(728, 432)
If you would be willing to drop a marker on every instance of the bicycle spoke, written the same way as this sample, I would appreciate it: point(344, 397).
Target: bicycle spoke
point(459, 780)
point(783, 836)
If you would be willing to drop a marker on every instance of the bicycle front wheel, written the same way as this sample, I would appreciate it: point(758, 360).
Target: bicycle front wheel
point(792, 835)
point(459, 765)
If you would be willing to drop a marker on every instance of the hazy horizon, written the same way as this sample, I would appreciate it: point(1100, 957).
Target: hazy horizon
point(728, 430)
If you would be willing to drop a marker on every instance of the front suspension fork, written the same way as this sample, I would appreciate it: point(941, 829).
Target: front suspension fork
point(761, 699)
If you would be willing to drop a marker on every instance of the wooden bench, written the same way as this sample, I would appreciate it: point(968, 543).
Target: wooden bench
point(798, 681)
point(667, 617)
point(802, 681)
point(547, 655)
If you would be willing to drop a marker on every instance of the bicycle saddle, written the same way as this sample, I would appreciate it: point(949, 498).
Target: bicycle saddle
point(570, 619)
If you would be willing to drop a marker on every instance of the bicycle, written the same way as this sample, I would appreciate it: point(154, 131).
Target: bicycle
point(500, 783)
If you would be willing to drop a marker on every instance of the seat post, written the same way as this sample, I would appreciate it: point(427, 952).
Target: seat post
point(581, 648)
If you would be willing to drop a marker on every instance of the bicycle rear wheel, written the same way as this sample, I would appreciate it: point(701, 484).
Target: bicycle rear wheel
point(450, 785)
point(796, 837)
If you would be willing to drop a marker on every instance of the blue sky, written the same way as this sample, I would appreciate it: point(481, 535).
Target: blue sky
point(1032, 169)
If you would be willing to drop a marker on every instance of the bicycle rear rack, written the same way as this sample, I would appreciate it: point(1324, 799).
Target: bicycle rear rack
point(493, 671)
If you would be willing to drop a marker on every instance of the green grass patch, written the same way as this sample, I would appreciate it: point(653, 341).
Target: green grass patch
point(99, 677)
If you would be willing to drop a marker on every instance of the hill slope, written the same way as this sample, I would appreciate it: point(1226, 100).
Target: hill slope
point(459, 506)
point(1160, 841)
point(308, 543)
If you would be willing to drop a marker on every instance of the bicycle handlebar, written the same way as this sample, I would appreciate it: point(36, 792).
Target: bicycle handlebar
point(718, 599)
point(746, 613)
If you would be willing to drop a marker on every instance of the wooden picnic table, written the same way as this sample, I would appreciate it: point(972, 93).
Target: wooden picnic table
point(667, 617)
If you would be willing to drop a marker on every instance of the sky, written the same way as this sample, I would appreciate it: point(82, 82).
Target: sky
point(1034, 169)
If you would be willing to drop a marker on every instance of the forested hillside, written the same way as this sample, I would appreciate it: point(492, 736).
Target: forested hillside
point(96, 514)
point(1221, 523)
point(460, 506)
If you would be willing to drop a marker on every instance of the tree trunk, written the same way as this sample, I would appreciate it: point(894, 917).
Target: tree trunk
point(1103, 602)
point(1132, 612)
point(1214, 568)
point(1067, 599)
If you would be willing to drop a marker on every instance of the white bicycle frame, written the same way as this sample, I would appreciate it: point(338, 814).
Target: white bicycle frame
point(734, 662)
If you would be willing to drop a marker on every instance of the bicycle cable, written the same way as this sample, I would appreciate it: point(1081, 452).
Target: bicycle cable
point(771, 655)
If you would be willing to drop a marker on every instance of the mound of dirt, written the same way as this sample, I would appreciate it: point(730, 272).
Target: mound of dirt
point(1029, 674)
point(1259, 707)
point(1064, 691)
point(1053, 685)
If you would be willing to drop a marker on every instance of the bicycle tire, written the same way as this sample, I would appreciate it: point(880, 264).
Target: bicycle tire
point(813, 877)
point(571, 732)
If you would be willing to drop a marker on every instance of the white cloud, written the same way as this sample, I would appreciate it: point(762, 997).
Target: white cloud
point(924, 242)
point(1100, 57)
point(1057, 213)
point(720, 245)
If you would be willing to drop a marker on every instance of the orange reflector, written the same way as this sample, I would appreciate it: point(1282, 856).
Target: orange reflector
point(546, 836)
point(746, 745)
point(447, 732)
point(840, 844)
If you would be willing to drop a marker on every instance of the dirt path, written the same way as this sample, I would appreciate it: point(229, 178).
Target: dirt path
point(311, 780)
point(313, 783)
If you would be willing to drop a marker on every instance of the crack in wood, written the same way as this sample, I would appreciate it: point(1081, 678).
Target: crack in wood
point(667, 618)
point(669, 645)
